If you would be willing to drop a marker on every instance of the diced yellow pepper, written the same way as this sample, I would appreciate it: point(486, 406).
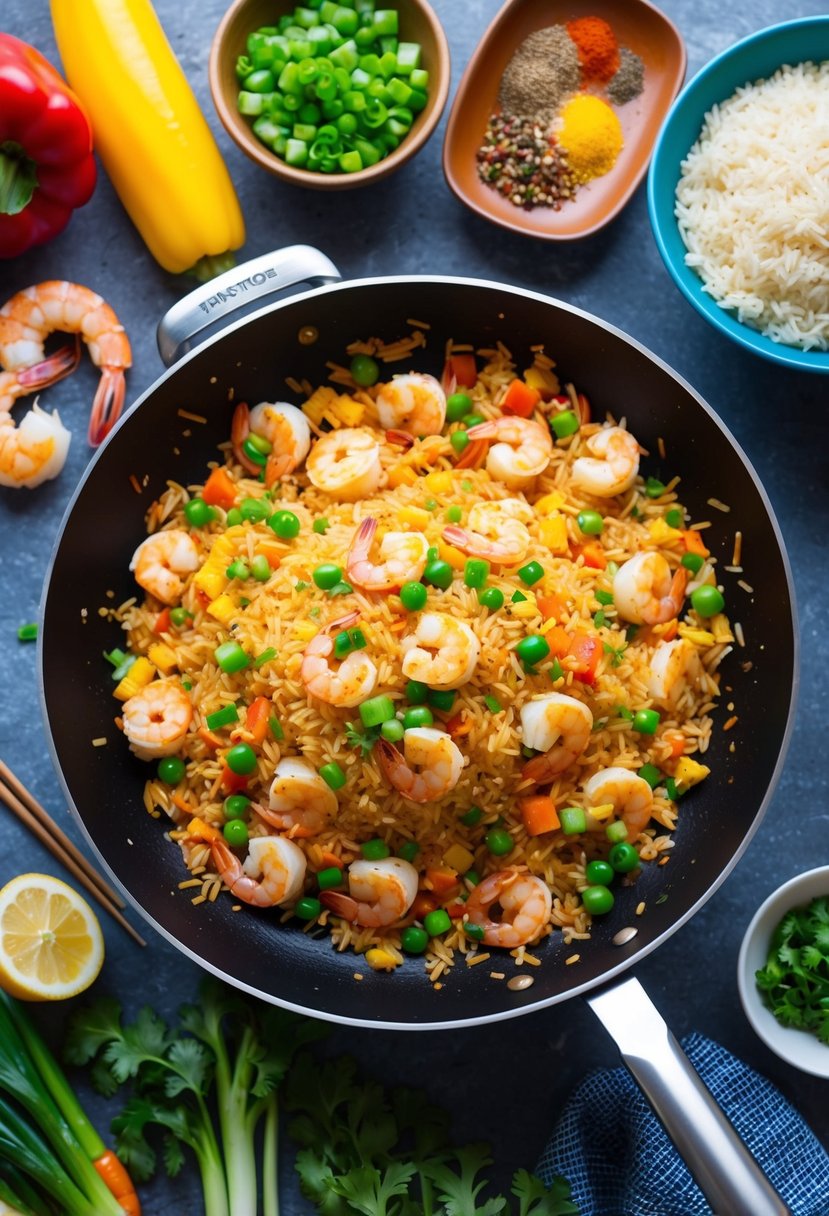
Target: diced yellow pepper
point(223, 608)
point(349, 411)
point(542, 379)
point(438, 482)
point(523, 610)
point(457, 857)
point(721, 628)
point(414, 517)
point(688, 772)
point(402, 475)
point(211, 581)
point(603, 811)
point(549, 503)
point(200, 830)
point(305, 630)
point(450, 554)
point(138, 676)
point(322, 399)
point(381, 960)
point(662, 533)
point(553, 533)
point(163, 656)
point(699, 637)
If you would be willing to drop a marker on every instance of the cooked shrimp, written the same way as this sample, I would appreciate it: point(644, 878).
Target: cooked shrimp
point(27, 320)
point(284, 427)
point(559, 726)
point(351, 683)
point(494, 531)
point(413, 403)
point(272, 873)
point(405, 555)
point(674, 667)
point(33, 452)
point(526, 906)
point(300, 802)
point(442, 652)
point(521, 449)
point(429, 766)
point(645, 592)
point(346, 464)
point(380, 892)
point(156, 719)
point(630, 794)
point(612, 466)
point(162, 562)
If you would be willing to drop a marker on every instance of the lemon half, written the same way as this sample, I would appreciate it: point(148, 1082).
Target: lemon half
point(51, 945)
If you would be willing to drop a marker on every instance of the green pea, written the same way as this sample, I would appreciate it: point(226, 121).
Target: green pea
point(646, 721)
point(327, 575)
point(364, 370)
point(437, 922)
point(414, 940)
point(413, 596)
point(236, 806)
point(597, 900)
point(439, 573)
point(599, 873)
point(707, 600)
point(418, 715)
point(241, 759)
point(198, 512)
point(457, 407)
point(392, 730)
point(623, 857)
point(531, 573)
point(332, 876)
point(491, 598)
point(235, 832)
point(590, 522)
point(459, 440)
point(375, 850)
point(532, 649)
point(307, 908)
point(499, 842)
point(417, 693)
point(285, 524)
point(171, 770)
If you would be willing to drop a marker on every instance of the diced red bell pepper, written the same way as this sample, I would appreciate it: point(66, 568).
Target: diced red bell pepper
point(462, 368)
point(584, 654)
point(520, 399)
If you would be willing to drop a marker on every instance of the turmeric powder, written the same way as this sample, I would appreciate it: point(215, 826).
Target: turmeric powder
point(590, 136)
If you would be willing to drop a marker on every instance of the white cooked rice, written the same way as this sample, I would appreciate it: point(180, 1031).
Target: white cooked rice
point(753, 205)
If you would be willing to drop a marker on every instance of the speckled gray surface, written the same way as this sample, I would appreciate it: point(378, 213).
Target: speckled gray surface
point(777, 416)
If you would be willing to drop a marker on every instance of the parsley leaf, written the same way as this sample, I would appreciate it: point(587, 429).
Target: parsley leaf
point(364, 739)
point(795, 979)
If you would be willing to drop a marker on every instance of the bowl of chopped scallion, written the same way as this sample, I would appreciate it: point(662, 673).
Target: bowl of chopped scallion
point(783, 972)
point(330, 94)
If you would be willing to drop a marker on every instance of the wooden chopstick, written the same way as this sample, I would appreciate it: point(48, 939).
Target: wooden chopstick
point(29, 811)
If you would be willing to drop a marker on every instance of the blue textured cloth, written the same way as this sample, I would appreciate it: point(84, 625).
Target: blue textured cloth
point(620, 1161)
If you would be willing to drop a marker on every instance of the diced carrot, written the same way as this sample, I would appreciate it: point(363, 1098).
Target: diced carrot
point(593, 554)
point(458, 725)
point(520, 399)
point(676, 740)
point(463, 368)
point(539, 814)
point(584, 653)
point(550, 605)
point(270, 555)
point(329, 859)
point(233, 782)
point(558, 639)
point(212, 741)
point(197, 829)
point(424, 902)
point(442, 880)
point(693, 543)
point(183, 804)
point(162, 622)
point(455, 910)
point(256, 718)
point(220, 489)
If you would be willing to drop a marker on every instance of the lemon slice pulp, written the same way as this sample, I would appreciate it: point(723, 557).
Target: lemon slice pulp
point(51, 945)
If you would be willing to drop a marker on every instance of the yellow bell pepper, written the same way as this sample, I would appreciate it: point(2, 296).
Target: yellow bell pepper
point(138, 676)
point(150, 133)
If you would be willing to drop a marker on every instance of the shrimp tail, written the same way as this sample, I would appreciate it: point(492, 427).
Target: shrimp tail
point(400, 439)
point(340, 904)
point(276, 467)
point(59, 365)
point(239, 431)
point(483, 430)
point(363, 537)
point(458, 537)
point(107, 405)
point(540, 770)
point(677, 592)
point(473, 454)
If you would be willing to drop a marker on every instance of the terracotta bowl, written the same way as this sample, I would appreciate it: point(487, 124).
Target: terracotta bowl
point(637, 25)
point(418, 23)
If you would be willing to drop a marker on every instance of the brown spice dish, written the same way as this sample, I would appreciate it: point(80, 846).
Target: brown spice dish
point(637, 25)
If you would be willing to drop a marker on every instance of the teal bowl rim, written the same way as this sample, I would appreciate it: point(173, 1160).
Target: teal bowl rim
point(696, 98)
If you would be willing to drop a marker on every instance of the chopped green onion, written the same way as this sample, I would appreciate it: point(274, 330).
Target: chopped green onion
point(342, 588)
point(564, 424)
point(377, 710)
point(603, 597)
point(231, 657)
point(616, 831)
point(692, 562)
point(472, 816)
point(27, 633)
point(518, 597)
point(671, 789)
point(417, 693)
point(330, 877)
point(333, 775)
point(651, 774)
point(321, 526)
point(409, 850)
point(475, 572)
point(222, 717)
point(654, 488)
point(573, 820)
point(476, 932)
point(275, 727)
point(442, 699)
point(598, 618)
point(493, 704)
point(556, 670)
point(375, 850)
point(264, 657)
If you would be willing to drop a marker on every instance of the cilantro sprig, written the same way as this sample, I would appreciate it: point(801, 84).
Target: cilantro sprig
point(795, 979)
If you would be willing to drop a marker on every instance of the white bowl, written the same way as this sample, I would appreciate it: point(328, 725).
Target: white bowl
point(798, 1047)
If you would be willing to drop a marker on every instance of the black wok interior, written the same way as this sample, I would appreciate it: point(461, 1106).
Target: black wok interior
point(249, 362)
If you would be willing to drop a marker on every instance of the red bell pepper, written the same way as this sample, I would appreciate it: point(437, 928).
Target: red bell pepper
point(46, 163)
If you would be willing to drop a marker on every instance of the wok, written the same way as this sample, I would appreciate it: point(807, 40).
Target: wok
point(249, 360)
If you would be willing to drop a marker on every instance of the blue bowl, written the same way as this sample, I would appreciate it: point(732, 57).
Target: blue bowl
point(755, 57)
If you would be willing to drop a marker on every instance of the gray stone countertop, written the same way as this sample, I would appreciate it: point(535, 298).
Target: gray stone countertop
point(504, 1082)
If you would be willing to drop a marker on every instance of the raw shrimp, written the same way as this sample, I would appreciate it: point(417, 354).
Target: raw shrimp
point(405, 555)
point(272, 873)
point(156, 719)
point(413, 403)
point(521, 449)
point(284, 427)
point(380, 892)
point(27, 320)
point(429, 766)
point(630, 794)
point(525, 902)
point(351, 683)
point(674, 668)
point(560, 727)
point(162, 562)
point(442, 652)
point(300, 802)
point(496, 531)
point(346, 464)
point(612, 465)
point(645, 592)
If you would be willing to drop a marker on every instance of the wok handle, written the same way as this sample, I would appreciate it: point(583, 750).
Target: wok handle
point(722, 1166)
point(264, 276)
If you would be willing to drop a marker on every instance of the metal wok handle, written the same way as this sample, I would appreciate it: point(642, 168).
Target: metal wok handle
point(722, 1166)
point(264, 276)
